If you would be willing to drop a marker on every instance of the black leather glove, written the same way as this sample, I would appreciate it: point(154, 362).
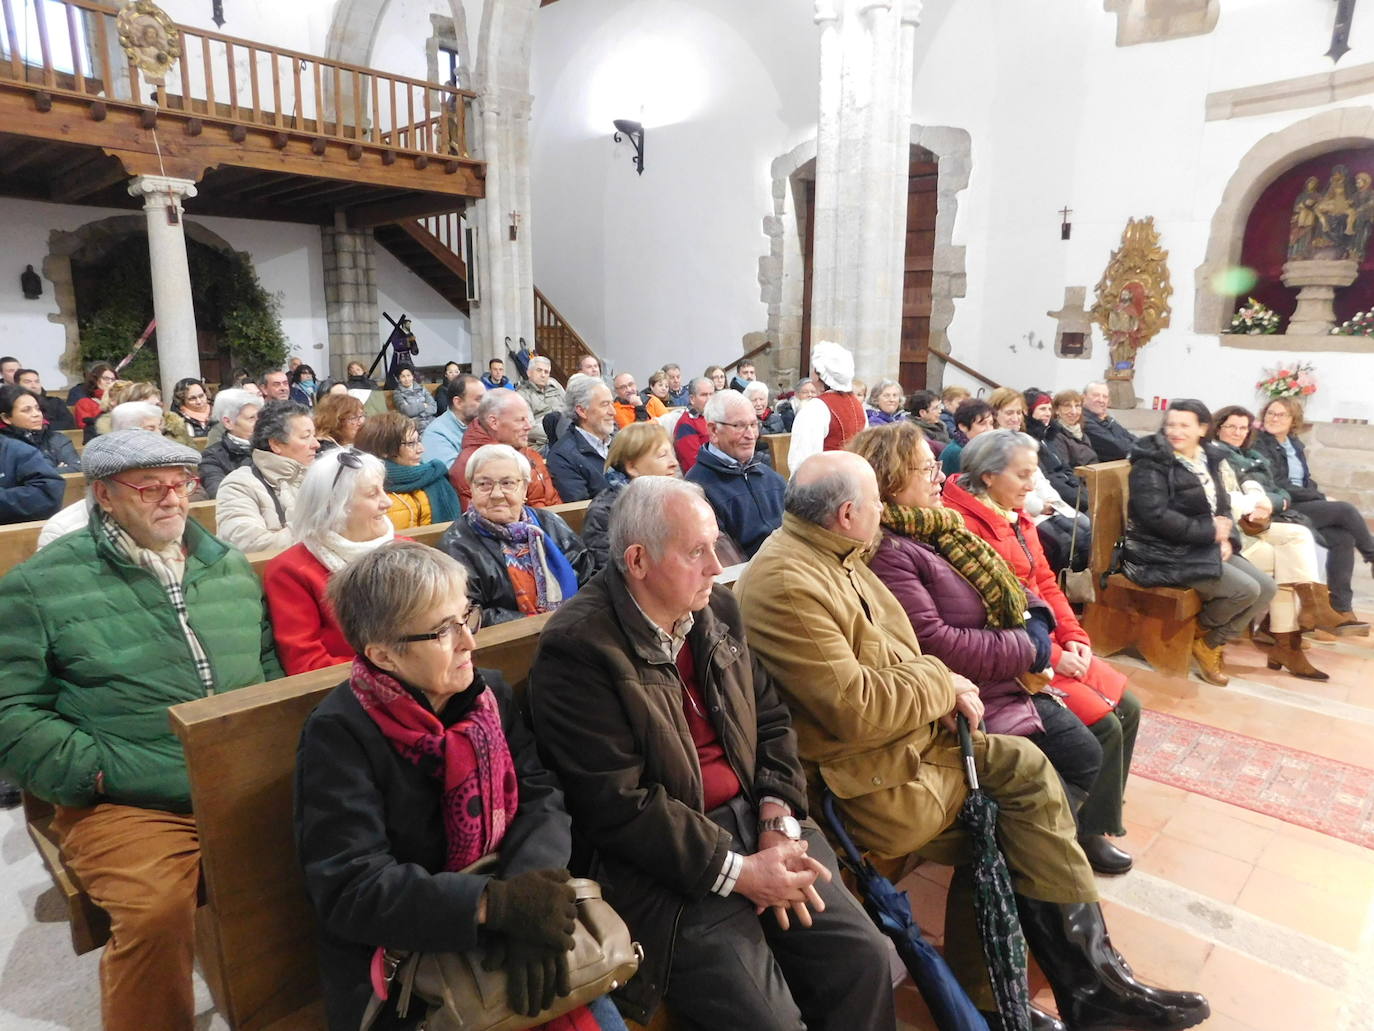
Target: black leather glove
point(534, 974)
point(537, 907)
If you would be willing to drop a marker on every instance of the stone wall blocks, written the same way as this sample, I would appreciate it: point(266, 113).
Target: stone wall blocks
point(772, 226)
point(1344, 435)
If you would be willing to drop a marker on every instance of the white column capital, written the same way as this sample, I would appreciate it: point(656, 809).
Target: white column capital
point(911, 12)
point(826, 11)
point(156, 189)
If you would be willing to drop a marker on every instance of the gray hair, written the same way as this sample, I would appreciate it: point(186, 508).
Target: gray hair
point(756, 386)
point(541, 361)
point(578, 393)
point(131, 414)
point(494, 402)
point(803, 382)
point(988, 454)
point(718, 408)
point(274, 423)
point(328, 490)
point(640, 514)
point(692, 386)
point(379, 597)
point(490, 453)
point(672, 367)
point(1095, 383)
point(229, 403)
point(882, 385)
point(819, 500)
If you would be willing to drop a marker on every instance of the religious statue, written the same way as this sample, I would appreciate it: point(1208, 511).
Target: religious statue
point(149, 39)
point(1334, 224)
point(1132, 304)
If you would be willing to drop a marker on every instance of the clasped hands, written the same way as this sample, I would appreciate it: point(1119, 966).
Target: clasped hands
point(780, 876)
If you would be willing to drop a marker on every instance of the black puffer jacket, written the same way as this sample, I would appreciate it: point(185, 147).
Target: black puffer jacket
point(1170, 536)
point(220, 459)
point(1268, 446)
point(488, 582)
point(1071, 451)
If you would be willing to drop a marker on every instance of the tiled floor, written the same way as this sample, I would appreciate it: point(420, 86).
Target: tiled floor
point(1273, 922)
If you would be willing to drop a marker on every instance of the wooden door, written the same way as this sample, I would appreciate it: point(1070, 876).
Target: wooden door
point(920, 262)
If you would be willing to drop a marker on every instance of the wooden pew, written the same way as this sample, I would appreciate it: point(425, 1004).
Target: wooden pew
point(1158, 622)
point(778, 446)
point(18, 541)
point(574, 513)
point(90, 925)
point(75, 488)
point(77, 439)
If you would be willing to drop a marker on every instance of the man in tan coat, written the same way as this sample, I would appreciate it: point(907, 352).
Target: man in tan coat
point(874, 720)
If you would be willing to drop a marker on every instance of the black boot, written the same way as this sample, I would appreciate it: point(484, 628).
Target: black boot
point(1094, 989)
point(1040, 1021)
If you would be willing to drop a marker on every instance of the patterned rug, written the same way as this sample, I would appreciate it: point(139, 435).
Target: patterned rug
point(1297, 787)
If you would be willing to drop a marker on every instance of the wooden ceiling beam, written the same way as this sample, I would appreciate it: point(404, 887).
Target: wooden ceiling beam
point(411, 205)
point(90, 178)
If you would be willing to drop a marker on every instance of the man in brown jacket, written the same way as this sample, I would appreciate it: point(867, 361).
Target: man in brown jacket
point(875, 725)
point(503, 417)
point(680, 769)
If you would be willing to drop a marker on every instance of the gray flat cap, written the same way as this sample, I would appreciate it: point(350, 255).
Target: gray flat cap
point(114, 453)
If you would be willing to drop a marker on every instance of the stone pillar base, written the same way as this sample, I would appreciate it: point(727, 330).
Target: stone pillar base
point(1316, 282)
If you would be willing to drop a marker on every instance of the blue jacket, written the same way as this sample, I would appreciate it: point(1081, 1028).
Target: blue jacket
point(443, 439)
point(681, 397)
point(30, 488)
point(490, 384)
point(747, 498)
point(578, 471)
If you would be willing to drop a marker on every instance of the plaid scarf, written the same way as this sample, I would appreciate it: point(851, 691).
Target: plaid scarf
point(470, 758)
point(168, 566)
point(972, 558)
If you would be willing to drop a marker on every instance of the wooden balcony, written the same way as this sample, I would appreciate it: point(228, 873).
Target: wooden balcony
point(266, 132)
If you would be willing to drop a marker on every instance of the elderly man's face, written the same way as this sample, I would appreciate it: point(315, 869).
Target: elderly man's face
point(276, 387)
point(151, 523)
point(738, 435)
point(539, 374)
point(626, 388)
point(867, 511)
point(1095, 400)
point(674, 380)
point(598, 415)
point(701, 393)
point(679, 581)
point(512, 424)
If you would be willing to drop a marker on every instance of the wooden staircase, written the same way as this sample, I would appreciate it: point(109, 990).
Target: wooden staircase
point(432, 248)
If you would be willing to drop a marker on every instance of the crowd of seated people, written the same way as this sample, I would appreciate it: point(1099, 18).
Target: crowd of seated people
point(698, 814)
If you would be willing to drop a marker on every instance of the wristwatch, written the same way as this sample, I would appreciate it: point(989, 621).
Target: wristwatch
point(787, 825)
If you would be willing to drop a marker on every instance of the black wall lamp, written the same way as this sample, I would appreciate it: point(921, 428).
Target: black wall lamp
point(634, 132)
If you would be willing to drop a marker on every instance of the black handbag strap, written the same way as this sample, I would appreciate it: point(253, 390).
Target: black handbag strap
point(276, 501)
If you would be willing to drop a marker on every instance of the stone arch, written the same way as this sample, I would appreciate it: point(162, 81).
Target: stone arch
point(64, 245)
point(781, 276)
point(1262, 164)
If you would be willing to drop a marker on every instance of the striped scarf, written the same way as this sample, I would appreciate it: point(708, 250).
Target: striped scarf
point(972, 558)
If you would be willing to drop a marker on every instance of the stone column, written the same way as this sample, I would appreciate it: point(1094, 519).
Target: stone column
point(350, 299)
point(505, 267)
point(178, 356)
point(863, 149)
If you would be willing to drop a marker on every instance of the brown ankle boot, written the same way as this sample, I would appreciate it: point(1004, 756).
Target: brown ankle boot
point(1208, 661)
point(1316, 612)
point(1287, 653)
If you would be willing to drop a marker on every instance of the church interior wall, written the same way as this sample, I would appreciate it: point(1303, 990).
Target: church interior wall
point(442, 331)
point(664, 266)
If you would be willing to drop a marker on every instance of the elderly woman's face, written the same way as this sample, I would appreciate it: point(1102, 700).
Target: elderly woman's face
point(1234, 430)
point(923, 483)
point(1070, 413)
point(411, 449)
point(661, 461)
point(890, 400)
point(300, 442)
point(439, 668)
point(498, 491)
point(1010, 487)
point(1277, 420)
point(806, 391)
point(367, 514)
point(760, 403)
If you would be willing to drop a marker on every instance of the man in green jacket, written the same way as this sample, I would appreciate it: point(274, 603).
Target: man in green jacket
point(102, 631)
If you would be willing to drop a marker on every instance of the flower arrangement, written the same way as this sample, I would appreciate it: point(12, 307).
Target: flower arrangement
point(1361, 324)
point(1295, 380)
point(1255, 319)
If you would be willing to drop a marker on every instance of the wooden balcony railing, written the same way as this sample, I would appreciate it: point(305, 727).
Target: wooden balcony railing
point(557, 340)
point(74, 49)
point(447, 229)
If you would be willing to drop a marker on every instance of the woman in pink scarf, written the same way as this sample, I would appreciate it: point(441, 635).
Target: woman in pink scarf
point(409, 772)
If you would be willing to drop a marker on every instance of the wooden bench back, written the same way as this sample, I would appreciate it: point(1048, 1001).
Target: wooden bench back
point(18, 541)
point(778, 446)
point(1108, 490)
point(75, 488)
point(77, 437)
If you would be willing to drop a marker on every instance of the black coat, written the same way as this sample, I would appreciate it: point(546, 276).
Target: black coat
point(220, 459)
point(1170, 535)
point(578, 471)
point(596, 524)
point(1063, 479)
point(370, 837)
point(59, 416)
point(55, 446)
point(1071, 451)
point(1268, 446)
point(1109, 439)
point(607, 710)
point(488, 582)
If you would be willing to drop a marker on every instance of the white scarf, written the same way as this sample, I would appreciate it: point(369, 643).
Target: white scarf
point(335, 551)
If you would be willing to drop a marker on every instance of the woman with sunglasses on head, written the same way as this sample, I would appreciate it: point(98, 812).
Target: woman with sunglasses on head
point(340, 515)
point(254, 503)
point(419, 491)
point(521, 561)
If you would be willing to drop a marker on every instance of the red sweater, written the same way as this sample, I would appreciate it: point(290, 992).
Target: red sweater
point(718, 781)
point(306, 634)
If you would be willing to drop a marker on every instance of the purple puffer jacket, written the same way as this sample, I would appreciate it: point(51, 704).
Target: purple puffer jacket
point(951, 623)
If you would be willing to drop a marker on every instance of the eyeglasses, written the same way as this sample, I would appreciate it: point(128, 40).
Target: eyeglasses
point(931, 471)
point(506, 486)
point(348, 459)
point(415, 442)
point(752, 426)
point(471, 620)
point(353, 418)
point(153, 493)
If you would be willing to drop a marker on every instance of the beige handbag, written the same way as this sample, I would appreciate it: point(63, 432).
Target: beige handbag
point(461, 995)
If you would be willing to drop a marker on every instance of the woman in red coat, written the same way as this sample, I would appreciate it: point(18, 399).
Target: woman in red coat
point(340, 515)
point(998, 470)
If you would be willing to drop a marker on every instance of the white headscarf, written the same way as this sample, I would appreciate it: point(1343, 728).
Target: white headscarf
point(833, 364)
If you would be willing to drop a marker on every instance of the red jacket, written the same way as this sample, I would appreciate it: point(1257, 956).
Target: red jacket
point(689, 437)
point(541, 492)
point(305, 631)
point(1102, 686)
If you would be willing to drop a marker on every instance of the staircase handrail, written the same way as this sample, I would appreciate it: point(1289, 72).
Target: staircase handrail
point(946, 357)
point(763, 348)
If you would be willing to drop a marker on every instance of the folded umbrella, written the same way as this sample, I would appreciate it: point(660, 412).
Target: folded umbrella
point(994, 900)
point(889, 908)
